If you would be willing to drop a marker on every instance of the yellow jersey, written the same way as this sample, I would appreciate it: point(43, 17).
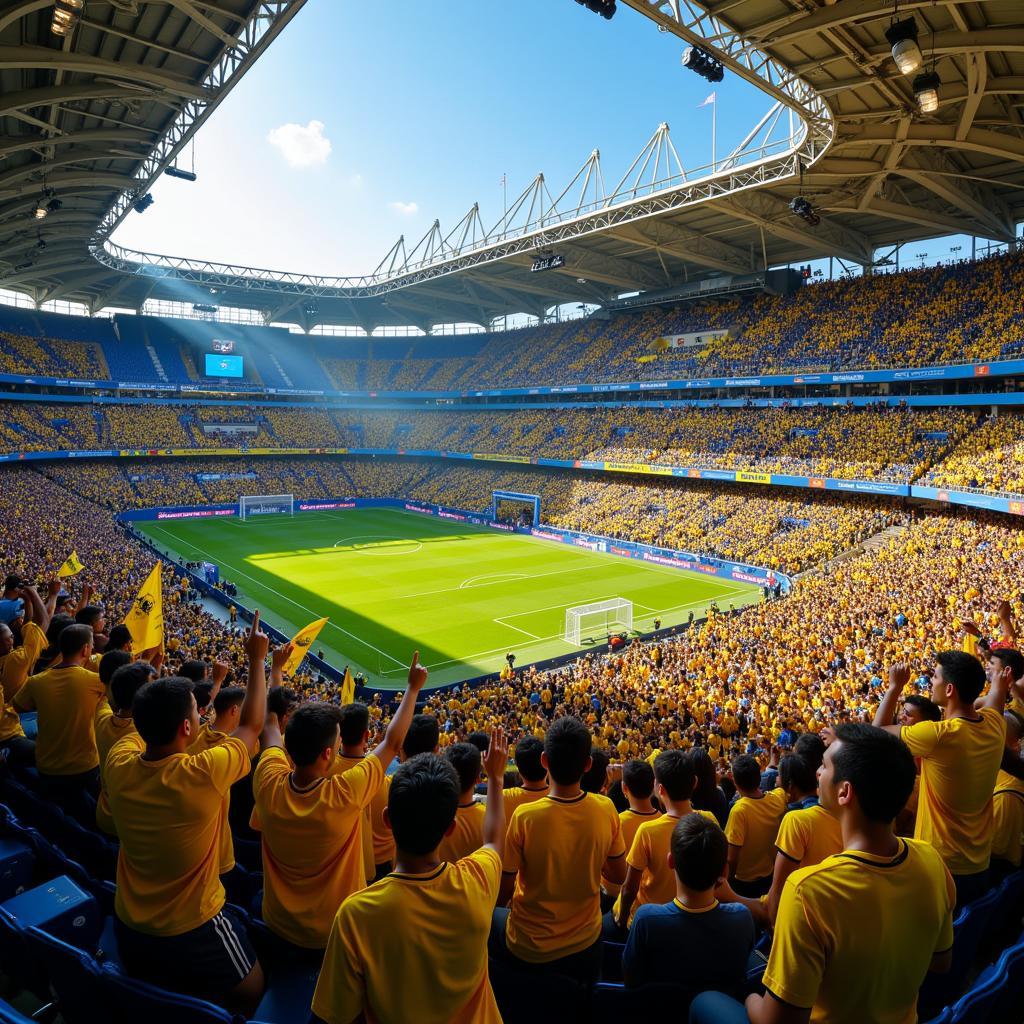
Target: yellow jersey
point(629, 822)
point(856, 933)
point(17, 664)
point(556, 849)
point(110, 730)
point(206, 739)
point(468, 835)
point(382, 837)
point(809, 835)
point(312, 844)
point(167, 814)
point(433, 925)
point(66, 699)
point(1008, 818)
point(960, 760)
point(753, 825)
point(342, 763)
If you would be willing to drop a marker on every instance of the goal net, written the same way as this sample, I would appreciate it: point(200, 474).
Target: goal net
point(265, 505)
point(588, 621)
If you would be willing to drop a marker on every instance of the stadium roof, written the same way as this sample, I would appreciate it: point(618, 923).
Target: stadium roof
point(97, 116)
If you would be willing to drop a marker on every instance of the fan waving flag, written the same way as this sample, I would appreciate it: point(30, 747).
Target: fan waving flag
point(145, 620)
point(72, 567)
point(302, 642)
point(348, 688)
point(709, 101)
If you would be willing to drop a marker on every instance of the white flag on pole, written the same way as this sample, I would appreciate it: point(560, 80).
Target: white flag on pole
point(710, 99)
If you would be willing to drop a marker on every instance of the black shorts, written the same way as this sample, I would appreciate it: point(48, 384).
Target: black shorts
point(209, 961)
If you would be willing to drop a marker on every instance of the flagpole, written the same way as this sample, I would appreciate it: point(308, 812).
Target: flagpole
point(714, 128)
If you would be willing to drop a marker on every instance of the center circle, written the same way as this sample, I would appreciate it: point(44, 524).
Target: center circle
point(379, 544)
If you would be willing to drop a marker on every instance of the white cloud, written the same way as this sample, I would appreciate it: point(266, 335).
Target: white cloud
point(301, 145)
point(405, 209)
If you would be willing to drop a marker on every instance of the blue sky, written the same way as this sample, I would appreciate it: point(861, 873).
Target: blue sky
point(423, 107)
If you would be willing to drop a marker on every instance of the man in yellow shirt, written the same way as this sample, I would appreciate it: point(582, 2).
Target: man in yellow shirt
point(649, 878)
point(66, 696)
point(113, 722)
point(558, 848)
point(17, 660)
point(171, 923)
point(534, 775)
point(638, 789)
point(751, 829)
point(354, 721)
point(310, 817)
point(857, 933)
point(1008, 807)
point(429, 918)
point(469, 816)
point(960, 759)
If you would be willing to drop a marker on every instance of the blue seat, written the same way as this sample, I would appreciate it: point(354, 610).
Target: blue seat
point(289, 994)
point(611, 961)
point(531, 997)
point(9, 1015)
point(971, 925)
point(613, 1004)
point(17, 864)
point(1007, 1006)
point(1006, 923)
point(19, 964)
point(95, 852)
point(128, 1001)
point(977, 1005)
point(62, 909)
point(73, 974)
point(30, 724)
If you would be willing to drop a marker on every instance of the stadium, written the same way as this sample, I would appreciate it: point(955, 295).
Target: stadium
point(605, 610)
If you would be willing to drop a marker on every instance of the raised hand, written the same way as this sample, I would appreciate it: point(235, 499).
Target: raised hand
point(219, 672)
point(417, 673)
point(899, 675)
point(280, 657)
point(496, 757)
point(256, 643)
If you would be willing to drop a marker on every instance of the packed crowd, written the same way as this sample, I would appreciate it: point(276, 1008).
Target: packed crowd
point(880, 442)
point(990, 458)
point(753, 748)
point(51, 357)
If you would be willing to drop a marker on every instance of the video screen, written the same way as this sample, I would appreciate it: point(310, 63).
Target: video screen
point(224, 366)
point(223, 347)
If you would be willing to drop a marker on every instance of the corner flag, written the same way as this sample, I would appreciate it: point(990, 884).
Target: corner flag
point(72, 567)
point(302, 641)
point(145, 620)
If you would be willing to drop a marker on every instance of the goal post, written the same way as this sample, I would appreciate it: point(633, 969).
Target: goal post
point(265, 505)
point(587, 621)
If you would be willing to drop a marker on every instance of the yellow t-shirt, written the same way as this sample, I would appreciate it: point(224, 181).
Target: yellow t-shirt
point(753, 825)
point(167, 814)
point(312, 844)
point(960, 762)
point(649, 854)
point(383, 839)
point(556, 849)
point(468, 835)
point(435, 926)
point(1008, 818)
point(856, 933)
point(16, 665)
point(66, 700)
point(206, 739)
point(809, 835)
point(342, 763)
point(516, 796)
point(109, 731)
point(629, 822)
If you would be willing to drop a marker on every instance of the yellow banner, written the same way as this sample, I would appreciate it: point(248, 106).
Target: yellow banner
point(145, 620)
point(638, 467)
point(504, 458)
point(136, 452)
point(744, 477)
point(348, 688)
point(302, 641)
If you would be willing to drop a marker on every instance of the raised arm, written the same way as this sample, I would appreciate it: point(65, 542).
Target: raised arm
point(885, 717)
point(1005, 614)
point(999, 688)
point(278, 660)
point(387, 750)
point(253, 712)
point(494, 765)
point(40, 616)
point(271, 735)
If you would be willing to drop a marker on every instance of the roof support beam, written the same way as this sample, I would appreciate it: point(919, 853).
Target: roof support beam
point(686, 245)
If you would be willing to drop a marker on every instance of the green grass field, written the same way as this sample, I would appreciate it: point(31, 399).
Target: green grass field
point(394, 581)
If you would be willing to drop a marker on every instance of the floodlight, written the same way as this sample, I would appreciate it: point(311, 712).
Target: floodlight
point(902, 37)
point(926, 92)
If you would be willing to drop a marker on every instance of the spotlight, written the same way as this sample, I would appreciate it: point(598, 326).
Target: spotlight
point(902, 37)
point(805, 211)
point(53, 206)
point(143, 203)
point(41, 208)
point(700, 61)
point(177, 172)
point(606, 8)
point(66, 14)
point(926, 92)
point(23, 266)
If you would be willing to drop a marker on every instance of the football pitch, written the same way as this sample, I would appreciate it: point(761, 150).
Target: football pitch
point(394, 581)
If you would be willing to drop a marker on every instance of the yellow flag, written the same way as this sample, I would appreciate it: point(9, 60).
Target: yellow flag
point(302, 641)
point(348, 688)
point(72, 567)
point(145, 620)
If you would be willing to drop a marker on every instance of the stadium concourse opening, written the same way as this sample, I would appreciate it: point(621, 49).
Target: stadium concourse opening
point(463, 595)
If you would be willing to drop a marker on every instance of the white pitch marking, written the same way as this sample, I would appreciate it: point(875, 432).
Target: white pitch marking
point(497, 576)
